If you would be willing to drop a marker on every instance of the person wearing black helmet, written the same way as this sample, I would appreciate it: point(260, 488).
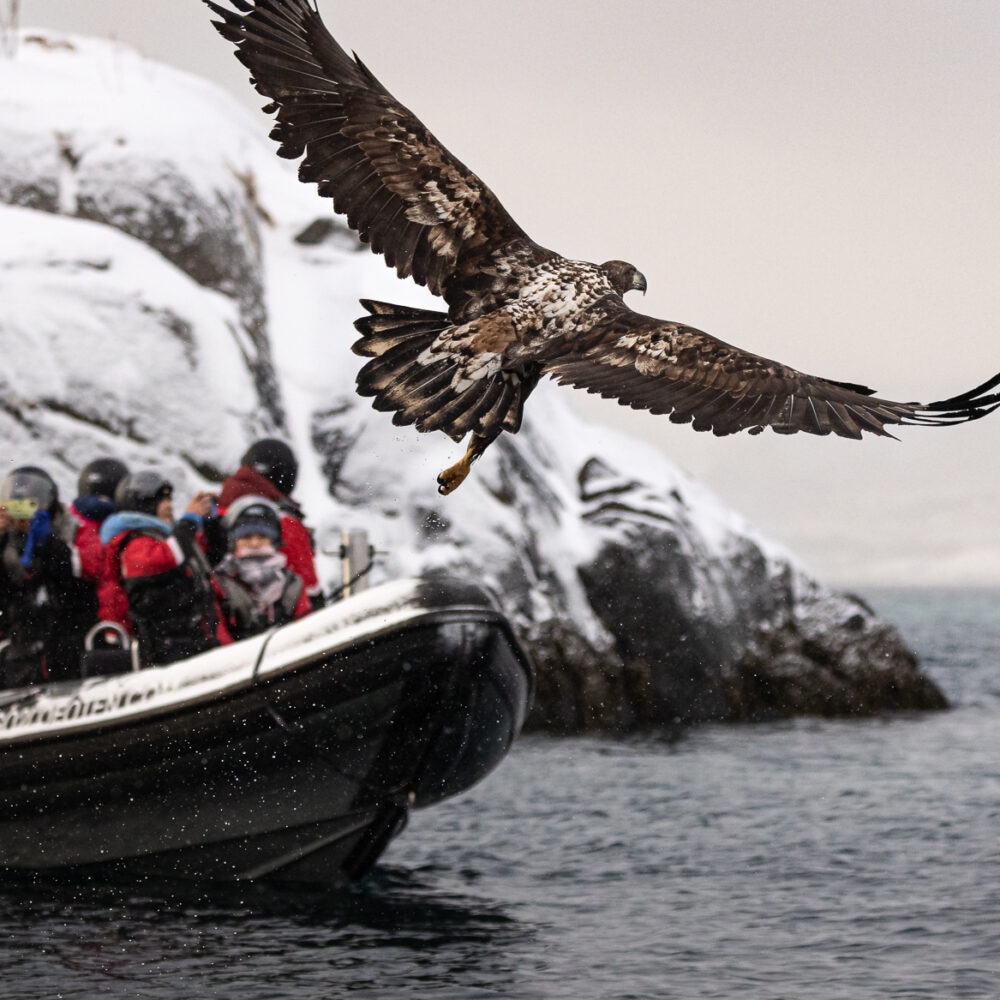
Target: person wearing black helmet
point(100, 479)
point(259, 590)
point(157, 582)
point(275, 461)
point(94, 504)
point(269, 469)
point(45, 606)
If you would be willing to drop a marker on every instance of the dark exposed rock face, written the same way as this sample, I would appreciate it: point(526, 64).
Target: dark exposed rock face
point(832, 657)
point(643, 601)
point(697, 639)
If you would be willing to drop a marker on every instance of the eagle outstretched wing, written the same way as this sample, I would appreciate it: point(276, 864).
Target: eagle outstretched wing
point(668, 368)
point(400, 189)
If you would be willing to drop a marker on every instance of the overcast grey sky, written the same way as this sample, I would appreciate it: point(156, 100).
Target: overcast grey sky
point(815, 181)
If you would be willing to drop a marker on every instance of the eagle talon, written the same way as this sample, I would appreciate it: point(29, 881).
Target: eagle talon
point(456, 474)
point(453, 477)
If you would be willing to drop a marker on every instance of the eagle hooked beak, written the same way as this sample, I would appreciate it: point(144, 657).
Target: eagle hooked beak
point(639, 282)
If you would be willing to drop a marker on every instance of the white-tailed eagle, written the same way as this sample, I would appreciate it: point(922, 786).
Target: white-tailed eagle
point(516, 311)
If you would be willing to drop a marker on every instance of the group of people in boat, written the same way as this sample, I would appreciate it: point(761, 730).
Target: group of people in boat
point(229, 566)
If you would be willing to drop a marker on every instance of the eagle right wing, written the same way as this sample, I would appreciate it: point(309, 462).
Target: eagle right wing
point(669, 368)
point(400, 189)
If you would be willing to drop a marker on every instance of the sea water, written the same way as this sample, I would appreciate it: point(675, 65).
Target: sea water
point(803, 859)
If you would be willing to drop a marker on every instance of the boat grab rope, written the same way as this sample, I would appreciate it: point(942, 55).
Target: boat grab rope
point(382, 795)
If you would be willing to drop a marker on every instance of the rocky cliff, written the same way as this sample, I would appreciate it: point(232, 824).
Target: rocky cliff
point(171, 292)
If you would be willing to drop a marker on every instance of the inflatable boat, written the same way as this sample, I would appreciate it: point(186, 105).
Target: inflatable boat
point(296, 755)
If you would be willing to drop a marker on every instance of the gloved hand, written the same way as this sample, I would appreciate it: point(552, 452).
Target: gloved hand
point(38, 532)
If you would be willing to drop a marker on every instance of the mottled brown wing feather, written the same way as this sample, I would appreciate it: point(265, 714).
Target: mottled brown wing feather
point(400, 189)
point(668, 368)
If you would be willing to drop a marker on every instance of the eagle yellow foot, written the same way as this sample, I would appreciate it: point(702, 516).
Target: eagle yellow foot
point(454, 475)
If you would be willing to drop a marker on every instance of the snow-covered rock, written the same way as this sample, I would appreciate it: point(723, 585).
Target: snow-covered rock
point(171, 292)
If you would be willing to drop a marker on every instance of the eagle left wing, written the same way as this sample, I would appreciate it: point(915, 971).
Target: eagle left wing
point(673, 369)
point(400, 189)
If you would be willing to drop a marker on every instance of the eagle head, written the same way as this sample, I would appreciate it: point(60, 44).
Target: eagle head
point(624, 277)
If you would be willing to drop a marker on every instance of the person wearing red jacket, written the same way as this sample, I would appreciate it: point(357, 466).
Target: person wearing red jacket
point(93, 505)
point(269, 469)
point(157, 582)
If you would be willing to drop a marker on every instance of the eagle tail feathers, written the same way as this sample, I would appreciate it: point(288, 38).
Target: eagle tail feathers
point(427, 386)
point(388, 326)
